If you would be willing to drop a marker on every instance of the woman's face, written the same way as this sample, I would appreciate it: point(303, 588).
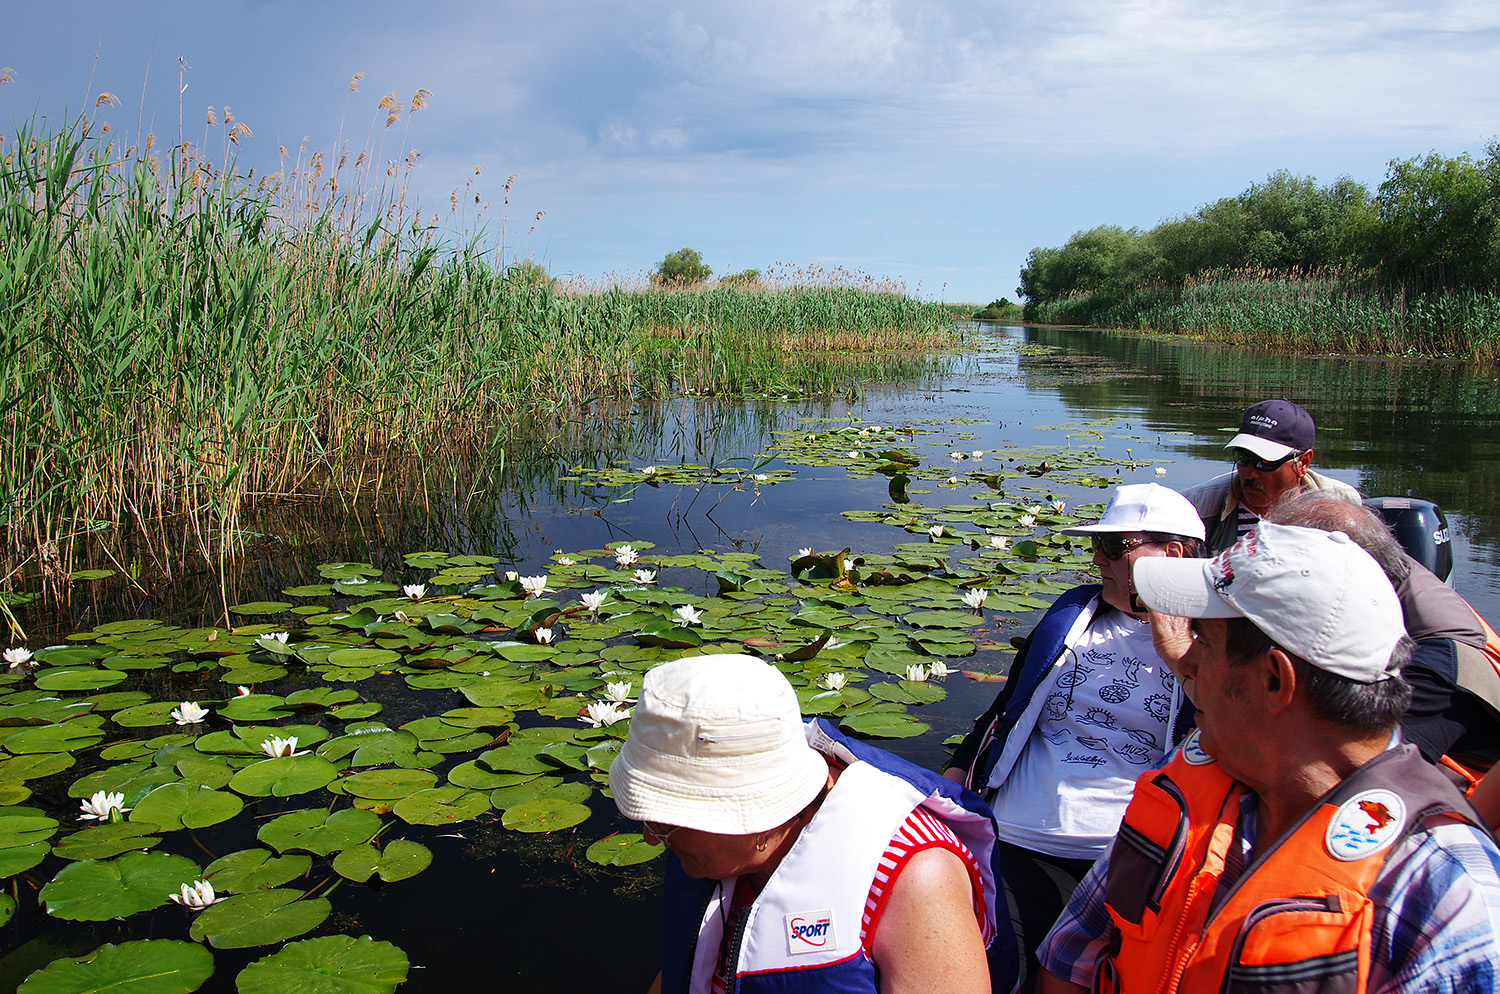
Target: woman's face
point(1116, 572)
point(708, 855)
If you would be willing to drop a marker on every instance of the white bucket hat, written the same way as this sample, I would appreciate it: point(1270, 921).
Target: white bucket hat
point(1314, 593)
point(1145, 507)
point(716, 744)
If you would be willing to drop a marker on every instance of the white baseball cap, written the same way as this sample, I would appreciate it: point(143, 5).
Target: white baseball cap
point(1145, 507)
point(1314, 593)
point(717, 744)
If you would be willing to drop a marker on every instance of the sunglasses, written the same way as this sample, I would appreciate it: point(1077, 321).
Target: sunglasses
point(1243, 457)
point(1112, 547)
point(661, 832)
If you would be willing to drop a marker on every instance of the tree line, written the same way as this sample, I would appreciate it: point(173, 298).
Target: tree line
point(1432, 225)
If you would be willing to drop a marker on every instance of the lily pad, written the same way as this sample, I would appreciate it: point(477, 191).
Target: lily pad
point(255, 608)
point(885, 725)
point(363, 658)
point(255, 869)
point(146, 966)
point(259, 918)
point(387, 785)
point(284, 776)
point(19, 859)
point(97, 890)
point(505, 693)
point(441, 806)
point(85, 678)
point(104, 841)
point(330, 964)
point(180, 805)
point(319, 832)
point(545, 814)
point(66, 737)
point(623, 849)
point(400, 859)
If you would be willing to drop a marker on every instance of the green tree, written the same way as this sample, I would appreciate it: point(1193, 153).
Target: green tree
point(681, 268)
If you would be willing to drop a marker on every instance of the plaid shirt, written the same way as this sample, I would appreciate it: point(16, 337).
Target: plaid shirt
point(1437, 913)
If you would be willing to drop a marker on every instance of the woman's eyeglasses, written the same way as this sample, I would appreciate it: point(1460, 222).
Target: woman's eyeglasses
point(661, 832)
point(1112, 547)
point(1244, 457)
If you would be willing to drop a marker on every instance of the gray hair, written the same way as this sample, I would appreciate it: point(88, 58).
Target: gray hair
point(1331, 511)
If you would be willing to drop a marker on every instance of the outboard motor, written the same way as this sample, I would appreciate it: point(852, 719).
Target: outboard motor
point(1421, 529)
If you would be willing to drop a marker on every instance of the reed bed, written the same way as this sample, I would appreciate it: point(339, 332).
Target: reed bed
point(1313, 313)
point(180, 341)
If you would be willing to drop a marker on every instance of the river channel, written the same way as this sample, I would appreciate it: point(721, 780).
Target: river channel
point(499, 911)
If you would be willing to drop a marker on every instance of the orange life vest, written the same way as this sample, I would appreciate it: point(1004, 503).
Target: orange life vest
point(1467, 776)
point(1297, 918)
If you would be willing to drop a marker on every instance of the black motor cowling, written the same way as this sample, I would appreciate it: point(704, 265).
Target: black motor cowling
point(1421, 528)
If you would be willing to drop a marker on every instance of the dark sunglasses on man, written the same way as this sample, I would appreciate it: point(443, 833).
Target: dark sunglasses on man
point(1114, 546)
point(1244, 457)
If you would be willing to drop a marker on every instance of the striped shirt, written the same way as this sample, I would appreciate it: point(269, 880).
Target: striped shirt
point(1436, 925)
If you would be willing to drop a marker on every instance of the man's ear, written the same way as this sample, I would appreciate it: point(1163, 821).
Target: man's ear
point(1279, 678)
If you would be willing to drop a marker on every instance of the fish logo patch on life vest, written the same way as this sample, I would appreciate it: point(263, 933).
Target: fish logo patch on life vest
point(809, 932)
point(1365, 824)
point(1192, 751)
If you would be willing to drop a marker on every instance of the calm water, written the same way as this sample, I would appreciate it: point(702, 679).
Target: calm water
point(528, 914)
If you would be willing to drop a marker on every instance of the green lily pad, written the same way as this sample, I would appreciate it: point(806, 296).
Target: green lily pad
point(66, 737)
point(23, 830)
point(104, 841)
point(441, 806)
point(259, 918)
point(146, 966)
point(146, 715)
point(85, 678)
point(319, 832)
point(400, 859)
point(255, 707)
point(255, 608)
point(321, 697)
point(254, 869)
point(19, 859)
point(386, 785)
point(475, 777)
point(495, 692)
point(330, 964)
point(884, 724)
point(33, 767)
point(505, 798)
point(357, 712)
point(622, 849)
point(180, 805)
point(545, 814)
point(284, 776)
point(363, 658)
point(97, 890)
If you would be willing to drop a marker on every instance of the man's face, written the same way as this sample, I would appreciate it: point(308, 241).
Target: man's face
point(1217, 690)
point(1260, 489)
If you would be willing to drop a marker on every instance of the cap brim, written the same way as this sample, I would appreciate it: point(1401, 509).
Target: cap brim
point(1180, 587)
point(1263, 447)
point(1098, 529)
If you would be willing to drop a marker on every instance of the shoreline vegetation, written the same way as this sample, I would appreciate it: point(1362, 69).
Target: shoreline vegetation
point(1413, 268)
point(182, 341)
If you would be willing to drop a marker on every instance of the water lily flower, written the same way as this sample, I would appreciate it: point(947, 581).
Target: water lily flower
point(1034, 509)
point(1028, 521)
point(601, 714)
point(242, 691)
point(511, 576)
point(812, 438)
point(543, 636)
point(998, 541)
point(848, 565)
point(937, 531)
point(626, 556)
point(978, 453)
point(853, 453)
point(1161, 471)
point(956, 456)
point(1059, 506)
point(834, 643)
point(18, 658)
point(594, 601)
point(975, 598)
point(937, 669)
point(618, 692)
point(833, 681)
point(645, 576)
point(416, 591)
point(952, 481)
point(761, 478)
point(534, 586)
point(689, 615)
point(275, 637)
point(198, 894)
point(277, 747)
point(802, 553)
point(649, 470)
point(102, 806)
point(189, 713)
point(566, 561)
point(916, 673)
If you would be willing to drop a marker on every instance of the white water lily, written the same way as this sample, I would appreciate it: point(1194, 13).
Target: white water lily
point(761, 477)
point(937, 669)
point(198, 894)
point(937, 531)
point(415, 591)
point(543, 636)
point(626, 556)
point(618, 692)
point(1034, 509)
point(511, 576)
point(803, 553)
point(645, 576)
point(1161, 471)
point(952, 481)
point(853, 453)
point(833, 681)
point(998, 541)
point(274, 637)
point(975, 598)
point(535, 586)
point(916, 673)
point(1059, 506)
point(189, 713)
point(978, 453)
point(956, 456)
point(277, 747)
point(102, 805)
point(566, 561)
point(242, 691)
point(812, 438)
point(834, 643)
point(689, 615)
point(601, 714)
point(1028, 521)
point(848, 565)
point(594, 601)
point(649, 470)
point(18, 658)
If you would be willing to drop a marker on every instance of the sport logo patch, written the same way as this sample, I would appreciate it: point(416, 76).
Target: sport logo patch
point(809, 931)
point(1365, 824)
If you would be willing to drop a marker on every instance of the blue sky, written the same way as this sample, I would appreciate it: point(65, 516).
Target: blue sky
point(934, 142)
